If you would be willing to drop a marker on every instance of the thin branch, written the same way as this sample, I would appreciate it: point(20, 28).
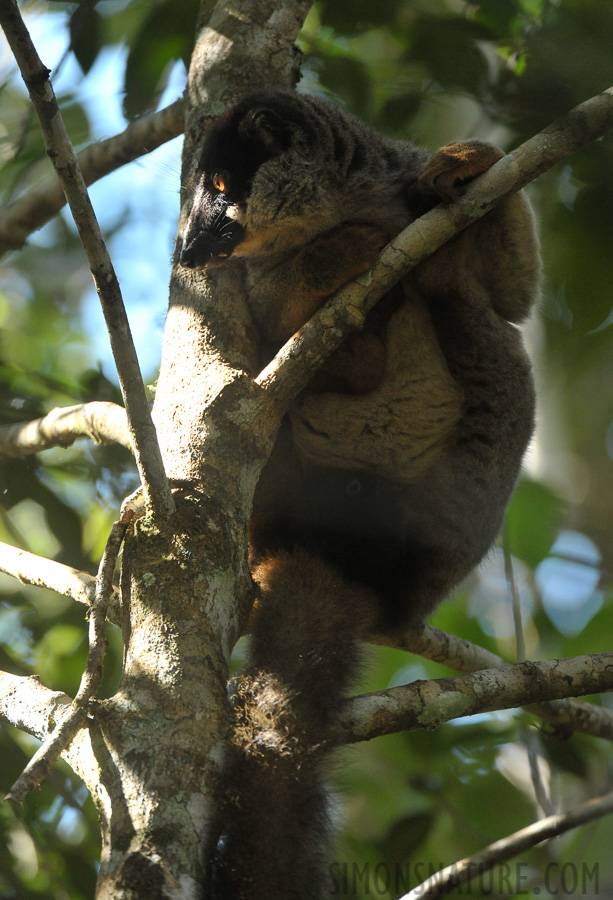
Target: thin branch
point(97, 615)
point(440, 646)
point(61, 152)
point(104, 423)
point(529, 739)
point(449, 879)
point(47, 755)
point(31, 569)
point(16, 146)
point(296, 363)
point(520, 643)
point(41, 203)
point(427, 704)
point(31, 707)
point(566, 716)
point(43, 761)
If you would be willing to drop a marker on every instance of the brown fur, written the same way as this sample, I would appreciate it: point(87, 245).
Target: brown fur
point(390, 475)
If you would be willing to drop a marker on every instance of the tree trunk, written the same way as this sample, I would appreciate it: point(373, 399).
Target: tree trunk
point(185, 588)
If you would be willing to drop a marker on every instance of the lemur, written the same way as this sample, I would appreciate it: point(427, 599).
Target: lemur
point(391, 473)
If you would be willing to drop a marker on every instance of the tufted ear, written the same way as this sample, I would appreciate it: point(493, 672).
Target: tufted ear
point(269, 127)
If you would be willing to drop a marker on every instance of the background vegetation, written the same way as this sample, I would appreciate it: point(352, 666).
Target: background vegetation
point(432, 71)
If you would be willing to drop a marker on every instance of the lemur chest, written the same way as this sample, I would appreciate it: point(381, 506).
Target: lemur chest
point(398, 429)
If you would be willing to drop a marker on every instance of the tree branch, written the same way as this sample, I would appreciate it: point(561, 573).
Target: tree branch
point(566, 716)
point(449, 879)
point(41, 203)
point(41, 764)
point(30, 706)
point(61, 152)
point(301, 357)
point(442, 647)
point(105, 423)
point(31, 569)
point(427, 704)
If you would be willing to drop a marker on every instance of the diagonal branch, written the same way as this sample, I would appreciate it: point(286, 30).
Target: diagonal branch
point(427, 704)
point(46, 756)
point(32, 707)
point(61, 152)
point(41, 203)
point(449, 879)
point(457, 653)
point(104, 422)
point(296, 363)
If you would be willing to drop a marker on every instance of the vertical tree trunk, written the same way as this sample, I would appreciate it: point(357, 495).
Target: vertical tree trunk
point(160, 740)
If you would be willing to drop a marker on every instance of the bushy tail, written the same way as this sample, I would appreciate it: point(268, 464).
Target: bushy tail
point(305, 655)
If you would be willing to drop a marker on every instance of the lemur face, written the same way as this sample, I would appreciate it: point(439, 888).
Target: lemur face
point(238, 146)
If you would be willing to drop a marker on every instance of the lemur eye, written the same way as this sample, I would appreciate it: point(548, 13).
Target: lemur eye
point(220, 181)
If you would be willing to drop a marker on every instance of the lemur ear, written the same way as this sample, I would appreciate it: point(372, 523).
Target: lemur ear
point(269, 127)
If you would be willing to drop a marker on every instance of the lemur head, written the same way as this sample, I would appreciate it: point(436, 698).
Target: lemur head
point(280, 168)
point(256, 180)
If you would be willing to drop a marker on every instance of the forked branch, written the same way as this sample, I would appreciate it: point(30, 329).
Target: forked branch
point(427, 704)
point(47, 755)
point(565, 716)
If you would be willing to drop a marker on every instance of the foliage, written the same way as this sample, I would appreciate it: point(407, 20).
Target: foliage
point(433, 71)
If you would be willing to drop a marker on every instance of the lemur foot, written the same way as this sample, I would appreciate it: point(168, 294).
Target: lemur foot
point(454, 166)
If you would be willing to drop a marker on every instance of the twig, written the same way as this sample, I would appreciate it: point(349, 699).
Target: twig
point(63, 157)
point(31, 569)
point(520, 644)
point(105, 423)
point(47, 755)
point(38, 205)
point(427, 704)
point(529, 739)
point(97, 615)
point(296, 363)
point(450, 878)
point(457, 653)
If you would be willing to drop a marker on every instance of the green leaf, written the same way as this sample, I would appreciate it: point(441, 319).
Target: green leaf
point(532, 521)
point(164, 37)
point(86, 33)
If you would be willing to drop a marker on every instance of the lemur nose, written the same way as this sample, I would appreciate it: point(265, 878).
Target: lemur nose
point(187, 257)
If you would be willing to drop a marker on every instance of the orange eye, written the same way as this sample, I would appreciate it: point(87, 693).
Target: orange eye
point(219, 181)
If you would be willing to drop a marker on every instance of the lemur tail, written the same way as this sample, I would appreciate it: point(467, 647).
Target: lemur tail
point(305, 655)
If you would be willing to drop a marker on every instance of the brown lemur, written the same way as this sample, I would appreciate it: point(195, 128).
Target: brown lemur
point(391, 473)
